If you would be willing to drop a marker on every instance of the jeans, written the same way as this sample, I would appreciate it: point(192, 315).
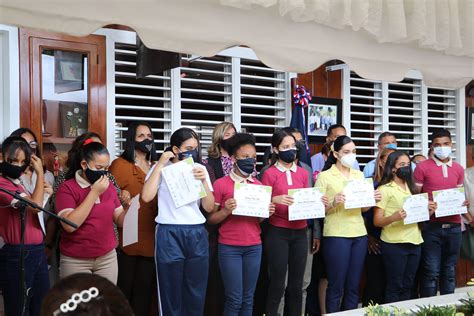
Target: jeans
point(36, 278)
point(401, 263)
point(439, 256)
point(240, 266)
point(345, 258)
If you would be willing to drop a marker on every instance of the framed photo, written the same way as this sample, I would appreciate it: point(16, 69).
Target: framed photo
point(68, 71)
point(322, 113)
point(470, 125)
point(73, 118)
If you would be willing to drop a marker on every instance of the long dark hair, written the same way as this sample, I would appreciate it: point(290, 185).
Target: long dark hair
point(129, 152)
point(24, 130)
point(338, 144)
point(88, 152)
point(11, 146)
point(180, 136)
point(74, 155)
point(388, 174)
point(277, 139)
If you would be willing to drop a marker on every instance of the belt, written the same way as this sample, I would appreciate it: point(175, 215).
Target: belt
point(445, 225)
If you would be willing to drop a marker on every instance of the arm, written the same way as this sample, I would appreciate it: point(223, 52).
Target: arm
point(150, 188)
point(220, 214)
point(200, 173)
point(381, 221)
point(38, 194)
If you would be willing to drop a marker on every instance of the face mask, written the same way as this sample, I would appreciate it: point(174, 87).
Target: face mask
point(442, 152)
point(12, 171)
point(288, 156)
point(349, 160)
point(190, 153)
point(246, 166)
point(391, 146)
point(225, 144)
point(144, 146)
point(94, 175)
point(404, 173)
point(301, 147)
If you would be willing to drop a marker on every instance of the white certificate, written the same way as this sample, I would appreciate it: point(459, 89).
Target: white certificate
point(416, 207)
point(252, 200)
point(130, 223)
point(183, 187)
point(359, 193)
point(450, 202)
point(307, 204)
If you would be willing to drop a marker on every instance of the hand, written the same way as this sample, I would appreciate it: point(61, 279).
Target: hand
point(199, 174)
point(283, 199)
point(377, 196)
point(316, 246)
point(271, 209)
point(49, 254)
point(432, 206)
point(374, 246)
point(340, 198)
point(126, 197)
point(230, 205)
point(100, 185)
point(37, 164)
point(467, 203)
point(48, 189)
point(398, 216)
point(165, 157)
point(325, 201)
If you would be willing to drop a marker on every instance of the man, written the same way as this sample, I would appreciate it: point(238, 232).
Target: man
point(318, 160)
point(385, 140)
point(442, 236)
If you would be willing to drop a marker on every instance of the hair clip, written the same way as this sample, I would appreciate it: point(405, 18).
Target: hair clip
point(87, 142)
point(77, 298)
point(332, 148)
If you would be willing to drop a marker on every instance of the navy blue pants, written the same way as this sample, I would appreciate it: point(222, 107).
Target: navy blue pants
point(240, 267)
point(344, 258)
point(439, 256)
point(36, 278)
point(182, 265)
point(401, 264)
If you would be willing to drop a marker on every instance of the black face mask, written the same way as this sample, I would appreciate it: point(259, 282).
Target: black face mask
point(225, 144)
point(301, 148)
point(12, 171)
point(288, 156)
point(404, 173)
point(190, 153)
point(94, 175)
point(144, 146)
point(246, 166)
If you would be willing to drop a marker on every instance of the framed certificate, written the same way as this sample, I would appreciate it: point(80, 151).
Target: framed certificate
point(416, 207)
point(252, 200)
point(359, 193)
point(307, 204)
point(184, 188)
point(450, 202)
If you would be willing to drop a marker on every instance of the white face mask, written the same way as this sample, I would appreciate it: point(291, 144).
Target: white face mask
point(442, 152)
point(349, 160)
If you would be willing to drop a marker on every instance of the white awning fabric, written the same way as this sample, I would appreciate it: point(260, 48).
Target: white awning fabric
point(379, 39)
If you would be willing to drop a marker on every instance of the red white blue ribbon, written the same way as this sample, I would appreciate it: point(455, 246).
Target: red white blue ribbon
point(301, 96)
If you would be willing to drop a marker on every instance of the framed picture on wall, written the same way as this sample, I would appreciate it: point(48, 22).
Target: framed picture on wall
point(470, 125)
point(73, 118)
point(322, 113)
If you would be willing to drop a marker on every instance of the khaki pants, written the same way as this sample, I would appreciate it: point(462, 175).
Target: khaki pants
point(105, 266)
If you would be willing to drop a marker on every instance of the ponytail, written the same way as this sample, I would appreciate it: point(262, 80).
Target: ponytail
point(338, 144)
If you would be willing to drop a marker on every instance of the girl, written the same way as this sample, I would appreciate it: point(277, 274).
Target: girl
point(240, 246)
point(345, 235)
point(401, 244)
point(286, 242)
point(181, 247)
point(90, 201)
point(17, 158)
point(136, 265)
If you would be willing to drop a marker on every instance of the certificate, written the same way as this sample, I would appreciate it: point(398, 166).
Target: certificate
point(359, 193)
point(416, 207)
point(183, 187)
point(130, 223)
point(252, 200)
point(307, 204)
point(450, 202)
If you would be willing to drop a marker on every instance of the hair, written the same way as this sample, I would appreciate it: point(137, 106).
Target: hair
point(267, 155)
point(415, 156)
point(292, 130)
point(239, 140)
point(388, 174)
point(277, 139)
point(383, 135)
point(110, 302)
point(333, 127)
point(180, 136)
point(214, 150)
point(378, 169)
point(338, 144)
point(326, 149)
point(23, 130)
point(129, 152)
point(74, 156)
point(12, 145)
point(438, 133)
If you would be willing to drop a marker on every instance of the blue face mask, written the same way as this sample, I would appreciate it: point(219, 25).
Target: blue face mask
point(288, 156)
point(190, 153)
point(246, 166)
point(391, 146)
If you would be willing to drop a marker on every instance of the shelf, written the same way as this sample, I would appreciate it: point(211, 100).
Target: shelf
point(58, 140)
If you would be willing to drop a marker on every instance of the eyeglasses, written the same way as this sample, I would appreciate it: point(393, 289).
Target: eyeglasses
point(33, 144)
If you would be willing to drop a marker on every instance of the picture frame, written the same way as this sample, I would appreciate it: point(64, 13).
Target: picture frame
point(68, 71)
point(470, 125)
point(321, 114)
point(73, 117)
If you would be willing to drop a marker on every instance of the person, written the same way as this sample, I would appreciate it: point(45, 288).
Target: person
point(442, 235)
point(240, 246)
point(96, 296)
point(416, 159)
point(136, 267)
point(181, 241)
point(334, 131)
point(401, 244)
point(385, 140)
point(17, 157)
point(90, 201)
point(286, 241)
point(344, 233)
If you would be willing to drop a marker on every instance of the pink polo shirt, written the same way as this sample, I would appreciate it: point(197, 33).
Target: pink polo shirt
point(95, 237)
point(10, 217)
point(236, 230)
point(433, 176)
point(281, 181)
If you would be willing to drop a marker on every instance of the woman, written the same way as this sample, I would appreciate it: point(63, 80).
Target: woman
point(286, 241)
point(181, 247)
point(240, 246)
point(345, 235)
point(136, 276)
point(401, 244)
point(17, 158)
point(90, 201)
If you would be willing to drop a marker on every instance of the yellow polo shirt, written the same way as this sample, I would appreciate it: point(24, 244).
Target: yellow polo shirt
point(340, 222)
point(392, 202)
